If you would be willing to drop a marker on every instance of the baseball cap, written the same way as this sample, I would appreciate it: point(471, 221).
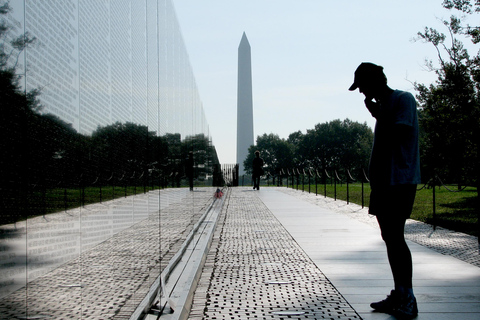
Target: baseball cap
point(365, 72)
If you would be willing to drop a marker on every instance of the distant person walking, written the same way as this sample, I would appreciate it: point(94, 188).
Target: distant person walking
point(394, 174)
point(257, 168)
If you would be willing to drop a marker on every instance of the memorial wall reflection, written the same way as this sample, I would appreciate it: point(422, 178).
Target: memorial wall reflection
point(94, 145)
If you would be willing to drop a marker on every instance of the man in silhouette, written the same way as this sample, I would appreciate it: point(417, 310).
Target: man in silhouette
point(257, 168)
point(394, 174)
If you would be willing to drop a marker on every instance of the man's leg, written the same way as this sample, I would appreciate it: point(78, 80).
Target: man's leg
point(399, 255)
point(399, 204)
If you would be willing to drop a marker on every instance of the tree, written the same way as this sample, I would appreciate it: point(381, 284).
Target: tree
point(54, 146)
point(276, 153)
point(18, 109)
point(468, 7)
point(337, 144)
point(11, 47)
point(120, 148)
point(295, 138)
point(449, 108)
point(200, 147)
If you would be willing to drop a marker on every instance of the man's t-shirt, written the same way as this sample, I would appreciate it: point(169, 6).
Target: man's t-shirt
point(257, 166)
point(395, 158)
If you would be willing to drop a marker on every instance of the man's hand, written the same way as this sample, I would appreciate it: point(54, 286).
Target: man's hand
point(373, 107)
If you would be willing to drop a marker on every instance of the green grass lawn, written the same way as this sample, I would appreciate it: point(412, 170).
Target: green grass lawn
point(55, 200)
point(454, 210)
point(61, 199)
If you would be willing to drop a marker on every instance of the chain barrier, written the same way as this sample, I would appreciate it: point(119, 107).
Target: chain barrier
point(443, 185)
point(425, 185)
point(335, 177)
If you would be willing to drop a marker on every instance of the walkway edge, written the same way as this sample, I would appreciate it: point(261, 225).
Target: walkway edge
point(178, 281)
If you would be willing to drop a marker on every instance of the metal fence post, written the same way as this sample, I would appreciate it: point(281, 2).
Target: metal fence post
point(434, 205)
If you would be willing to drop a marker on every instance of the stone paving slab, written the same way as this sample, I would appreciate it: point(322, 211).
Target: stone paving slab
point(256, 270)
point(108, 280)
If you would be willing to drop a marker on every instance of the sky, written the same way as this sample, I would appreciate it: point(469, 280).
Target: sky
point(304, 54)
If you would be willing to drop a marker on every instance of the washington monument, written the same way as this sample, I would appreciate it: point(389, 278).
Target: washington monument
point(244, 103)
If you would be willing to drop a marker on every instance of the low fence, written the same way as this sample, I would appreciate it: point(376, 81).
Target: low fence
point(296, 177)
point(26, 198)
point(316, 180)
point(322, 178)
point(230, 174)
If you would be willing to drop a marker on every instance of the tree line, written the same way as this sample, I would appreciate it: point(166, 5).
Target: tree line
point(40, 152)
point(337, 144)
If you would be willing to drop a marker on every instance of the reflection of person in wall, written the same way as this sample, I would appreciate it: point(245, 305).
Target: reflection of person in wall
point(218, 194)
point(394, 173)
point(257, 169)
point(189, 170)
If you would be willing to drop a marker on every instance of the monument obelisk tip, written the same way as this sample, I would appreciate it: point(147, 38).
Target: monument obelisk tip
point(244, 41)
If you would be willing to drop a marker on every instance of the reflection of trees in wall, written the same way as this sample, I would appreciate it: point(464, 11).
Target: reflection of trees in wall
point(45, 152)
point(40, 150)
point(18, 118)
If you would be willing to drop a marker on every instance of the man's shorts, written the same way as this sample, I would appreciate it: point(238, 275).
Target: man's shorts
point(393, 200)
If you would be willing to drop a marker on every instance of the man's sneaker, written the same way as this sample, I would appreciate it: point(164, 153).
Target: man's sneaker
point(407, 309)
point(389, 305)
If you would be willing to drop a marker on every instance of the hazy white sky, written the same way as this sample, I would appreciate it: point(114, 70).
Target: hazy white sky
point(304, 54)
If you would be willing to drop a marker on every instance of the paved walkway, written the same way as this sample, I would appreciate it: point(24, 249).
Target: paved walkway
point(281, 253)
point(277, 253)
